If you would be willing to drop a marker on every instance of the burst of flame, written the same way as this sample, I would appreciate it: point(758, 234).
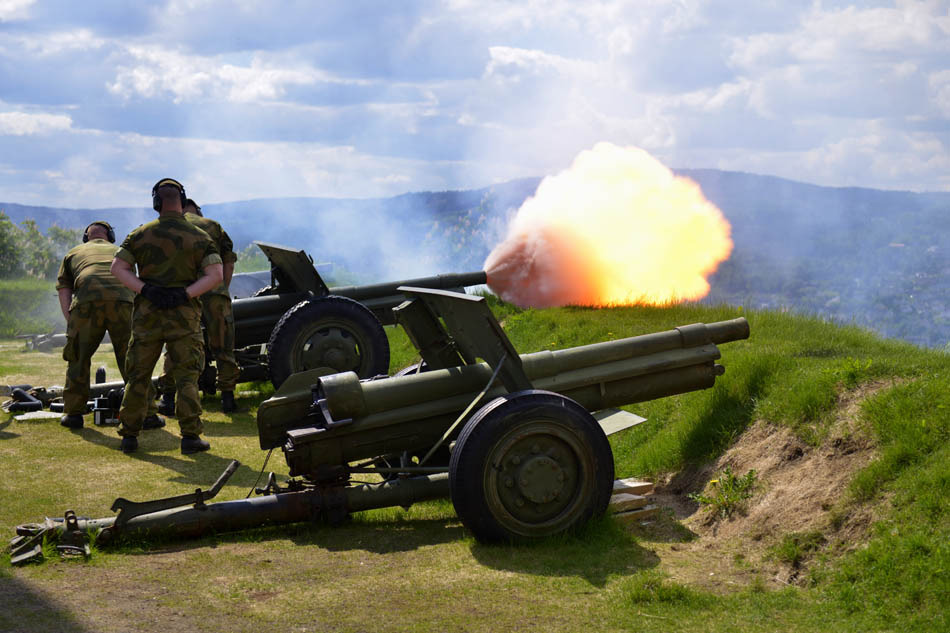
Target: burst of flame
point(617, 227)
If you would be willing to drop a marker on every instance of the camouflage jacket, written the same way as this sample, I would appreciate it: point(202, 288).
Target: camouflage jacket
point(85, 271)
point(223, 242)
point(169, 252)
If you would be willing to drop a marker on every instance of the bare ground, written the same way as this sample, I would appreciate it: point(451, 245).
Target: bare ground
point(801, 490)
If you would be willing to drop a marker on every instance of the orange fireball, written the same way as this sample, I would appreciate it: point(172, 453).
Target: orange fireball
point(617, 227)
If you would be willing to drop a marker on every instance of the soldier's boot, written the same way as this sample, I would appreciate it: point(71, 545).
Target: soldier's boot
point(227, 402)
point(167, 405)
point(71, 421)
point(153, 422)
point(193, 444)
point(129, 444)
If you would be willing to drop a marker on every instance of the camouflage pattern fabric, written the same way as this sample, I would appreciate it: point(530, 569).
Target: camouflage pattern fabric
point(225, 247)
point(219, 336)
point(100, 304)
point(169, 252)
point(88, 323)
point(85, 271)
point(187, 359)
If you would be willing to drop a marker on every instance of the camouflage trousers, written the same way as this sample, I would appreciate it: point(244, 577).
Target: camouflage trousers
point(185, 349)
point(219, 335)
point(87, 325)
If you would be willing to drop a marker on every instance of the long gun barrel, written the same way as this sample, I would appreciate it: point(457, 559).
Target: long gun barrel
point(359, 419)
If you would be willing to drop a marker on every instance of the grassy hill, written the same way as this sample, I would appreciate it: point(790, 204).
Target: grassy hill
point(847, 527)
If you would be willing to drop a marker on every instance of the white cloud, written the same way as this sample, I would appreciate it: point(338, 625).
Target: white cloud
point(488, 90)
point(28, 124)
point(515, 64)
point(155, 72)
point(15, 9)
point(940, 91)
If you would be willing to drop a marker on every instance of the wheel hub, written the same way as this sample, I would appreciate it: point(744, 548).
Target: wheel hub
point(541, 479)
point(331, 347)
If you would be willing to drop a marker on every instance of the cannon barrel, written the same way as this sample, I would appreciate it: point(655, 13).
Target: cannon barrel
point(255, 317)
point(441, 282)
point(363, 419)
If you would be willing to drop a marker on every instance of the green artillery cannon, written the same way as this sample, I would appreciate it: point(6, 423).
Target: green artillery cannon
point(299, 323)
point(519, 442)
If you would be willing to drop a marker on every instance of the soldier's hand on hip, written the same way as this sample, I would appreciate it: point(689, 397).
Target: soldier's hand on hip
point(175, 297)
point(155, 294)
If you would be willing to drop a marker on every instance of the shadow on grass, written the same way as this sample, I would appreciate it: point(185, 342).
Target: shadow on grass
point(240, 425)
point(192, 469)
point(25, 609)
point(376, 537)
point(598, 551)
point(6, 435)
point(727, 414)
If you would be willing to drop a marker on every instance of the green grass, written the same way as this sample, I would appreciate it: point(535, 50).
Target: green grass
point(419, 570)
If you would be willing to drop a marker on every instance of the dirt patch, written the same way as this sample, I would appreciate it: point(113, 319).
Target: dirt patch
point(801, 489)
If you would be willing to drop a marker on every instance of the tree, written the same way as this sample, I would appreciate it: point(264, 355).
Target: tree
point(40, 258)
point(10, 250)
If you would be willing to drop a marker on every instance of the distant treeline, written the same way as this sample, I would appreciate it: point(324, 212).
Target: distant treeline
point(26, 252)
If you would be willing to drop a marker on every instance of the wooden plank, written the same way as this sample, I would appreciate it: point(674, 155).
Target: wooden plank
point(623, 501)
point(633, 487)
point(639, 514)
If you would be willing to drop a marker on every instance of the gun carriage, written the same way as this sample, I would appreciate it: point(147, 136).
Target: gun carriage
point(518, 442)
point(298, 322)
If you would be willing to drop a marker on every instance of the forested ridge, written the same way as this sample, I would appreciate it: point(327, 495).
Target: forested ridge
point(880, 259)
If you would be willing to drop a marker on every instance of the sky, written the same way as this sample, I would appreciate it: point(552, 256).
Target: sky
point(247, 99)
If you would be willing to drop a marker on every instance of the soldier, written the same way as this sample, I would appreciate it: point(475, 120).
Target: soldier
point(177, 262)
point(93, 303)
point(218, 319)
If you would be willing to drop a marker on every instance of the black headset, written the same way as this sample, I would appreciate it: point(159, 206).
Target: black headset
point(110, 232)
point(157, 200)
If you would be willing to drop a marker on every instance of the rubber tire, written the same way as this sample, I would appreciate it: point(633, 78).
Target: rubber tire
point(475, 480)
point(301, 322)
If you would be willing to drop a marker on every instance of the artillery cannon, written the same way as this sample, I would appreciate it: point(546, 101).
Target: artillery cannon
point(298, 322)
point(532, 461)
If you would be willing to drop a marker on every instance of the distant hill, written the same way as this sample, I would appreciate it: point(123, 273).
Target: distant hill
point(878, 258)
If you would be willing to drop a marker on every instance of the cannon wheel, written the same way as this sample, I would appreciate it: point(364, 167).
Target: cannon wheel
point(334, 332)
point(530, 464)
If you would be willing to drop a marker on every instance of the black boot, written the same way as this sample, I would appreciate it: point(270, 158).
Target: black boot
point(193, 444)
point(227, 402)
point(167, 405)
point(71, 421)
point(153, 422)
point(129, 444)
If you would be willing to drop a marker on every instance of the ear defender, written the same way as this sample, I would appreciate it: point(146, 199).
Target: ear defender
point(110, 232)
point(156, 199)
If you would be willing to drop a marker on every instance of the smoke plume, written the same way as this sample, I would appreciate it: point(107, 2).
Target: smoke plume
point(615, 228)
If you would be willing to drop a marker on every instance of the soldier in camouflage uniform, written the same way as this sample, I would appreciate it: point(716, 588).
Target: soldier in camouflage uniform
point(177, 262)
point(94, 302)
point(218, 319)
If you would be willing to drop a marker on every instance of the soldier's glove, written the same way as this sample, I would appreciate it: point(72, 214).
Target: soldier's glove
point(175, 297)
point(155, 294)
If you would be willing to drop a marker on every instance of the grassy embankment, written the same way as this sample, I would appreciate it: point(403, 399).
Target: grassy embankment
point(419, 570)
